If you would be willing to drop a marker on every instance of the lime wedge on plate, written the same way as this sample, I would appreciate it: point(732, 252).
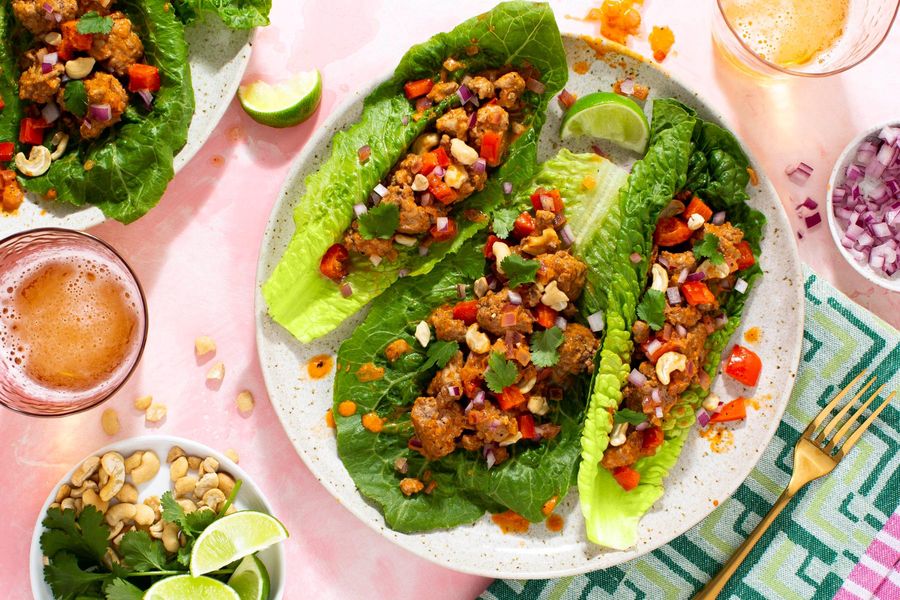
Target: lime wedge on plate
point(608, 116)
point(283, 104)
point(251, 579)
point(234, 537)
point(185, 587)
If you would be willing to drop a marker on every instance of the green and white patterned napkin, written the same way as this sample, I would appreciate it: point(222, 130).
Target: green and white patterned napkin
point(821, 536)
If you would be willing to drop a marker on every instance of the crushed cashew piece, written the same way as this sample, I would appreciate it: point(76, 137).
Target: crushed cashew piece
point(143, 403)
point(109, 420)
point(204, 345)
point(216, 373)
point(245, 402)
point(155, 412)
point(233, 455)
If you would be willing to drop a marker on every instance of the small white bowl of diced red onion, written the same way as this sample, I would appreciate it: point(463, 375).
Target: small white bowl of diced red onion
point(864, 204)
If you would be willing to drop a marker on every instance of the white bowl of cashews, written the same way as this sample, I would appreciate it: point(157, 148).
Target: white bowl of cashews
point(249, 497)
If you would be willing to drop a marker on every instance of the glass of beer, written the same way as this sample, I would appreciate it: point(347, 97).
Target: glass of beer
point(809, 38)
point(73, 321)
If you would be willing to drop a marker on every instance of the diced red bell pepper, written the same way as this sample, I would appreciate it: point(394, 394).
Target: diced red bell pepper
point(334, 263)
point(77, 41)
point(696, 292)
point(471, 387)
point(671, 231)
point(440, 190)
point(441, 155)
point(419, 87)
point(736, 410)
point(666, 347)
point(490, 148)
point(627, 477)
point(65, 50)
point(31, 131)
point(545, 316)
point(447, 234)
point(7, 177)
point(698, 207)
point(2, 103)
point(489, 246)
point(746, 258)
point(143, 77)
point(524, 225)
point(526, 427)
point(538, 203)
point(510, 398)
point(7, 151)
point(432, 160)
point(743, 365)
point(466, 311)
point(653, 438)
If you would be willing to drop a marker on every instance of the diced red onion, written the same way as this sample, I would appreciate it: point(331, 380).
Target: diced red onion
point(659, 412)
point(403, 273)
point(514, 297)
point(566, 99)
point(566, 235)
point(854, 173)
point(799, 173)
point(423, 250)
point(838, 194)
point(596, 321)
point(880, 230)
point(673, 295)
point(375, 259)
point(508, 319)
point(561, 322)
point(404, 120)
point(473, 119)
point(813, 220)
point(438, 171)
point(703, 417)
point(635, 258)
point(740, 286)
point(478, 400)
point(662, 260)
point(696, 276)
point(441, 223)
point(490, 458)
point(889, 134)
point(652, 346)
point(810, 204)
point(464, 93)
point(718, 218)
point(101, 112)
point(479, 166)
point(627, 86)
point(535, 86)
point(360, 209)
point(453, 391)
point(682, 276)
point(364, 153)
point(147, 97)
point(866, 152)
point(636, 378)
point(346, 290)
point(380, 190)
point(682, 331)
point(423, 104)
point(642, 426)
point(721, 321)
point(425, 199)
point(50, 112)
point(460, 290)
point(547, 203)
point(49, 61)
point(507, 187)
point(655, 396)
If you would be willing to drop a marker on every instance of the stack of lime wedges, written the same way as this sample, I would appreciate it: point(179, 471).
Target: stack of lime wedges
point(239, 535)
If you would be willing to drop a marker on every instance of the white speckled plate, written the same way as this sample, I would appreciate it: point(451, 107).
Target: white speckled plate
point(701, 476)
point(250, 497)
point(218, 57)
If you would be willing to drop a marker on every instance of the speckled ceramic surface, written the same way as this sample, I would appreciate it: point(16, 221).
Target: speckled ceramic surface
point(218, 57)
point(701, 476)
point(250, 497)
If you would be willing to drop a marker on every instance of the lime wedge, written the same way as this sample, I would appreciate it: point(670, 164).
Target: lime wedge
point(234, 537)
point(184, 587)
point(283, 104)
point(608, 116)
point(251, 579)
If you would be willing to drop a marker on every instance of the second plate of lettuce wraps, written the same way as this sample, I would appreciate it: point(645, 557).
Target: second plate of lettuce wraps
point(495, 351)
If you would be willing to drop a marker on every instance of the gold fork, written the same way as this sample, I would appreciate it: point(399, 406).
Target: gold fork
point(813, 458)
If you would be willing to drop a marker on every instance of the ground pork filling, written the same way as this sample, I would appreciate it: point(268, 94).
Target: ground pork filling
point(694, 262)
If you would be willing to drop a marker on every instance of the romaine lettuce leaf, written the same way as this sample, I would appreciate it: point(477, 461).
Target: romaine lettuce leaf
point(466, 488)
point(298, 296)
point(236, 14)
point(11, 114)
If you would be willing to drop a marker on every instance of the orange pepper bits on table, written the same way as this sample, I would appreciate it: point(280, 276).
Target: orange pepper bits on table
point(661, 41)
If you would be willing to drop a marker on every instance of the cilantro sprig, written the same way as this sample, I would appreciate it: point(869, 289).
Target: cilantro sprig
point(380, 221)
point(500, 373)
point(626, 415)
point(519, 270)
point(504, 220)
point(708, 247)
point(652, 309)
point(544, 346)
point(439, 353)
point(92, 22)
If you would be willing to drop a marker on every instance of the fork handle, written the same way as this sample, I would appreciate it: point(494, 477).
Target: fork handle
point(715, 585)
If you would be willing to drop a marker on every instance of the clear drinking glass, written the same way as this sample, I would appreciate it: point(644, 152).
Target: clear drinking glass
point(22, 257)
point(743, 29)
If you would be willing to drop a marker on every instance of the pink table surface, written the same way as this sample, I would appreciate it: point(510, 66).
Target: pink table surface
point(196, 256)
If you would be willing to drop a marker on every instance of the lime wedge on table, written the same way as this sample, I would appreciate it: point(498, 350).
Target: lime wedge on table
point(608, 116)
point(184, 587)
point(283, 104)
point(234, 537)
point(251, 579)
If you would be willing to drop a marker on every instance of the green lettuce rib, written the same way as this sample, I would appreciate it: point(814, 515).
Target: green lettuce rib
point(309, 305)
point(685, 151)
point(466, 488)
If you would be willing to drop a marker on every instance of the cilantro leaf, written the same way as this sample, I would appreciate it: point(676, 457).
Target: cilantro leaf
point(504, 219)
point(119, 589)
point(68, 580)
point(439, 353)
point(193, 524)
point(380, 221)
point(199, 520)
point(75, 98)
point(92, 22)
point(544, 345)
point(500, 373)
point(143, 553)
point(519, 270)
point(626, 415)
point(84, 537)
point(708, 247)
point(652, 309)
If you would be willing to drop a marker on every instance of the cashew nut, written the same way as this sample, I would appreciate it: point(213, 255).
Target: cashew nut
point(194, 463)
point(186, 505)
point(209, 465)
point(113, 532)
point(618, 435)
point(54, 505)
point(501, 251)
point(538, 405)
point(668, 362)
point(85, 471)
point(54, 38)
point(714, 271)
point(477, 341)
point(175, 452)
point(206, 483)
point(660, 278)
point(526, 386)
point(512, 439)
point(547, 241)
point(61, 141)
point(156, 530)
point(185, 485)
point(419, 183)
point(425, 142)
point(143, 515)
point(554, 297)
point(455, 177)
point(463, 152)
point(91, 498)
point(480, 287)
point(695, 221)
point(423, 333)
point(123, 511)
point(153, 502)
point(711, 402)
point(87, 485)
point(226, 483)
point(63, 492)
point(67, 504)
point(128, 493)
point(214, 498)
point(170, 537)
point(132, 462)
point(79, 68)
point(111, 558)
point(179, 468)
point(113, 465)
point(147, 470)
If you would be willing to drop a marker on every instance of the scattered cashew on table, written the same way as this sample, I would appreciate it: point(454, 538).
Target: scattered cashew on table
point(110, 483)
